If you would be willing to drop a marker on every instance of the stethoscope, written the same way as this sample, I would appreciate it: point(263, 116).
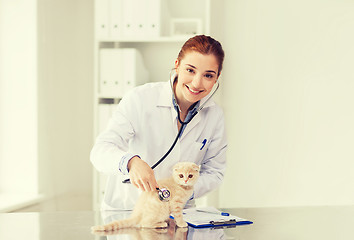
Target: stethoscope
point(164, 194)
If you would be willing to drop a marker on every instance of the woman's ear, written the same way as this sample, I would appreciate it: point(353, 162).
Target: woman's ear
point(176, 65)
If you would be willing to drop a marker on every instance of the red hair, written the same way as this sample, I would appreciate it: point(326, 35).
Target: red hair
point(204, 45)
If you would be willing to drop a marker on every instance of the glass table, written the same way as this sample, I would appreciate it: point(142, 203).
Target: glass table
point(269, 223)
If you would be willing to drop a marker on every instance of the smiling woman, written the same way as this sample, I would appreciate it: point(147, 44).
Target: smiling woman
point(148, 119)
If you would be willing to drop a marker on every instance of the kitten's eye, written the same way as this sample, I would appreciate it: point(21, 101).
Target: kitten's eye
point(181, 175)
point(190, 175)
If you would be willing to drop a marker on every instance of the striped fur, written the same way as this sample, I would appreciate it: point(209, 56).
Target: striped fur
point(150, 212)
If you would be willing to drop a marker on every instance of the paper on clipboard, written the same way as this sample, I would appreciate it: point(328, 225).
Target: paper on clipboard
point(210, 217)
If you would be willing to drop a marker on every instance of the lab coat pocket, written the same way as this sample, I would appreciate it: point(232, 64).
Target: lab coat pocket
point(199, 150)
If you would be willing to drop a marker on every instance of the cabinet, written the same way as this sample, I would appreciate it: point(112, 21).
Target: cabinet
point(150, 33)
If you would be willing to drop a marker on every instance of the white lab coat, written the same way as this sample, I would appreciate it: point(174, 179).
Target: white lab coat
point(145, 124)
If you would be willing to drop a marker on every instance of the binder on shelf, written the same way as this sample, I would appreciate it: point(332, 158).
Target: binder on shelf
point(111, 74)
point(120, 70)
point(140, 17)
point(102, 18)
point(127, 19)
point(116, 18)
point(134, 18)
point(153, 18)
point(211, 217)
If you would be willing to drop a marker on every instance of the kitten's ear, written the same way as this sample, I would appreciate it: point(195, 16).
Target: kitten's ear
point(175, 168)
point(195, 167)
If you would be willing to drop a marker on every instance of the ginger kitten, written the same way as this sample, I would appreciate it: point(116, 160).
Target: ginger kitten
point(151, 212)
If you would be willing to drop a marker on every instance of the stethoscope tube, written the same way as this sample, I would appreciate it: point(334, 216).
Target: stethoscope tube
point(169, 150)
point(180, 130)
point(173, 144)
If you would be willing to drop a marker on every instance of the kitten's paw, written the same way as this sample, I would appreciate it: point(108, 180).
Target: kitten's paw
point(161, 230)
point(181, 230)
point(181, 233)
point(182, 224)
point(161, 225)
point(97, 228)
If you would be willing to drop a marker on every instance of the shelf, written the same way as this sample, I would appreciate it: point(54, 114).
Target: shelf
point(152, 40)
point(108, 100)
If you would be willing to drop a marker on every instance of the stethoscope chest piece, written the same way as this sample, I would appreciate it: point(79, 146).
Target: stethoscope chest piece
point(164, 194)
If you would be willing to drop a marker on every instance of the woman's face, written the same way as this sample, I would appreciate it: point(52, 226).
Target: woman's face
point(197, 74)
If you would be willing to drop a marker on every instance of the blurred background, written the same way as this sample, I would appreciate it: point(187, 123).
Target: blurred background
point(286, 90)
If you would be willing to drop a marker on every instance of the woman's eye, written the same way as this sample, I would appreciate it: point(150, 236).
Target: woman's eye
point(181, 175)
point(209, 75)
point(190, 70)
point(190, 175)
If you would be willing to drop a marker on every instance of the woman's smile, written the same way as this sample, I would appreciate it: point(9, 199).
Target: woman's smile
point(193, 91)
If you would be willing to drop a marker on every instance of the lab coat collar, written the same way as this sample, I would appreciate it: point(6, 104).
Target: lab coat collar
point(166, 100)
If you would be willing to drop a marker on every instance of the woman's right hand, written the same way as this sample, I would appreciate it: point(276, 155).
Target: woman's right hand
point(141, 175)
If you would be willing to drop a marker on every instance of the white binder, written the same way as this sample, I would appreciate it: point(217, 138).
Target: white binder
point(116, 18)
point(111, 74)
point(153, 18)
point(102, 19)
point(127, 19)
point(130, 27)
point(120, 70)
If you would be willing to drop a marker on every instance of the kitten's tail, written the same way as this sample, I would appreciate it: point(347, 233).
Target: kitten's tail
point(125, 223)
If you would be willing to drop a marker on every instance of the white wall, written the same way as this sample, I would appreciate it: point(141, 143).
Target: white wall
point(287, 94)
point(18, 97)
point(46, 92)
point(65, 95)
point(288, 97)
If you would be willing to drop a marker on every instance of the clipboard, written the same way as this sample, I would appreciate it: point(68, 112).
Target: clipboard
point(210, 217)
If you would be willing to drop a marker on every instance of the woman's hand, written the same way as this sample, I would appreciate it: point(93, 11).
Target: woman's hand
point(141, 175)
